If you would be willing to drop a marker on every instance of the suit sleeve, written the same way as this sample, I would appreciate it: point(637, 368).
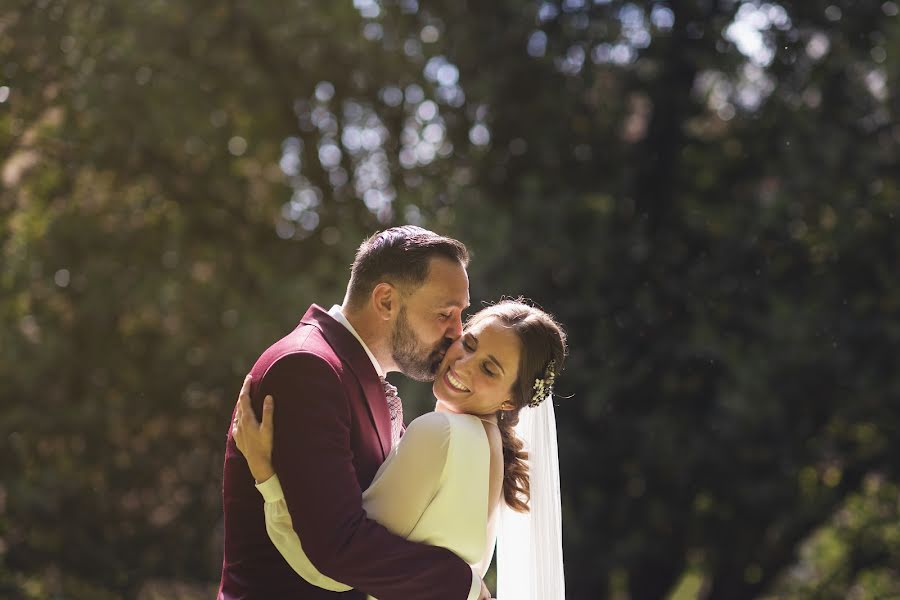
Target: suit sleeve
point(281, 531)
point(314, 462)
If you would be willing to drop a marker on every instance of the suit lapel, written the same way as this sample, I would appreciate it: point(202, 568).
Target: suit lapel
point(352, 353)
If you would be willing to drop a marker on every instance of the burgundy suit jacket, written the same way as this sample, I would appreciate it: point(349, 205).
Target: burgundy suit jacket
point(332, 432)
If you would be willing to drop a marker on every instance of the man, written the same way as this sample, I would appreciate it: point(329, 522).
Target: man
point(334, 428)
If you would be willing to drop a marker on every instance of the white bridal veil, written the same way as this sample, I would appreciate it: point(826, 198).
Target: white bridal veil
point(529, 545)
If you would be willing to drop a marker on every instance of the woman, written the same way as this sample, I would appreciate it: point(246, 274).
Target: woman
point(461, 477)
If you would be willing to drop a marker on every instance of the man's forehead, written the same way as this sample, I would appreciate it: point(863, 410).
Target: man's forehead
point(445, 294)
point(447, 284)
point(461, 304)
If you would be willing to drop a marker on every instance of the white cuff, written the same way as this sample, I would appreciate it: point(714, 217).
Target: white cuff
point(271, 489)
point(475, 590)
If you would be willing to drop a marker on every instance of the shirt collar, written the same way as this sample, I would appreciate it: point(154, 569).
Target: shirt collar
point(338, 315)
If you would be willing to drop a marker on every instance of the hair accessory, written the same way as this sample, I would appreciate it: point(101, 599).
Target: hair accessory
point(543, 386)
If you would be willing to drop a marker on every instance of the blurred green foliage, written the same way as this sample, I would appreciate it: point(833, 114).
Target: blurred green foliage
point(704, 192)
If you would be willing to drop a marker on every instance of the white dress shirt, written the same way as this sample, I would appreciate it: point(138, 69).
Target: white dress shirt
point(337, 313)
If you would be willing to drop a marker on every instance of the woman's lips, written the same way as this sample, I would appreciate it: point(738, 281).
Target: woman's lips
point(454, 382)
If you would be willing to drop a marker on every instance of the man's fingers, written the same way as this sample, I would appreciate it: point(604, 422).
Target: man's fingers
point(268, 410)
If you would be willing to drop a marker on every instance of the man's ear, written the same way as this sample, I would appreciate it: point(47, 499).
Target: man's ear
point(385, 300)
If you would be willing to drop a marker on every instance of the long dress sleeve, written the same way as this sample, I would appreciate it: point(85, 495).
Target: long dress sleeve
point(404, 491)
point(401, 491)
point(313, 457)
point(281, 531)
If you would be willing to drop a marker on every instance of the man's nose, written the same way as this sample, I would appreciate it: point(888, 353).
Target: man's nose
point(454, 330)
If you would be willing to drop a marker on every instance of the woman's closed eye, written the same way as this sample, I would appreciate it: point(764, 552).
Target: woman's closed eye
point(470, 344)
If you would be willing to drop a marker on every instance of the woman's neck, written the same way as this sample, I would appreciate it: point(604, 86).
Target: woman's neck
point(443, 408)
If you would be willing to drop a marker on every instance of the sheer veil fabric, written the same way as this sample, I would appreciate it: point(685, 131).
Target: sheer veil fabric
point(529, 545)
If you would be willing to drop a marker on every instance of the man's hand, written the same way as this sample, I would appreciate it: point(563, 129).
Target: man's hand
point(485, 593)
point(254, 439)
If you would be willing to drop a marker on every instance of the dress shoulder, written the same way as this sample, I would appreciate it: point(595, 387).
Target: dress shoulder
point(430, 421)
point(429, 424)
point(437, 429)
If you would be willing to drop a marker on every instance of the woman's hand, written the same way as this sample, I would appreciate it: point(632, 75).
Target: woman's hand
point(254, 439)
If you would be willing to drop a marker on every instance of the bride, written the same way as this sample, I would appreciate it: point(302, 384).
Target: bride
point(483, 467)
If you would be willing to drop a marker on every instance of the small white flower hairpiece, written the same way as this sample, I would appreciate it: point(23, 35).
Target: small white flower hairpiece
point(543, 386)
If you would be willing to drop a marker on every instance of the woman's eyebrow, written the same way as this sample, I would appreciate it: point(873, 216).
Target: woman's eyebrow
point(491, 357)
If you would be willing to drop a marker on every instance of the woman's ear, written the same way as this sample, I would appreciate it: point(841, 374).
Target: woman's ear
point(384, 300)
point(507, 404)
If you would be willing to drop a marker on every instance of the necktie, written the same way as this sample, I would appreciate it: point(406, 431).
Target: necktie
point(395, 408)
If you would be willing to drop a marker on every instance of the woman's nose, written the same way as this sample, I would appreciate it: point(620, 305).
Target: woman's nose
point(462, 363)
point(454, 352)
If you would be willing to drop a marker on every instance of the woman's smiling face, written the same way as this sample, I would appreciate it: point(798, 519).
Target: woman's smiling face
point(479, 369)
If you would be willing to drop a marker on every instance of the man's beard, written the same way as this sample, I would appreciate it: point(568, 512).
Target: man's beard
point(414, 359)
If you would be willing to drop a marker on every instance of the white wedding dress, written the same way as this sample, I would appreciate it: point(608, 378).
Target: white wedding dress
point(433, 488)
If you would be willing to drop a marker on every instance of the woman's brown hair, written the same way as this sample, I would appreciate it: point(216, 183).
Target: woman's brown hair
point(543, 350)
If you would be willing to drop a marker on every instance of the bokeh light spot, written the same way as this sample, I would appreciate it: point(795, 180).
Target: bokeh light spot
point(62, 278)
point(237, 145)
point(480, 135)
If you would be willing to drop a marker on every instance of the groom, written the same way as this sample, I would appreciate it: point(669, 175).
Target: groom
point(408, 287)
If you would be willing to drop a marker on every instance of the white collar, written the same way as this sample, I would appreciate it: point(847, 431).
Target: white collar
point(337, 313)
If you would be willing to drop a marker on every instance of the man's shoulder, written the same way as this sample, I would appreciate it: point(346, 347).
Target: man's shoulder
point(305, 344)
point(307, 337)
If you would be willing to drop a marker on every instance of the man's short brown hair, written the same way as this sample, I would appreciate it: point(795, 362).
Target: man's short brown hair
point(399, 256)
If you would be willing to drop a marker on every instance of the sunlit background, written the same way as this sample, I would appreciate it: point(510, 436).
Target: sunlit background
point(704, 192)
